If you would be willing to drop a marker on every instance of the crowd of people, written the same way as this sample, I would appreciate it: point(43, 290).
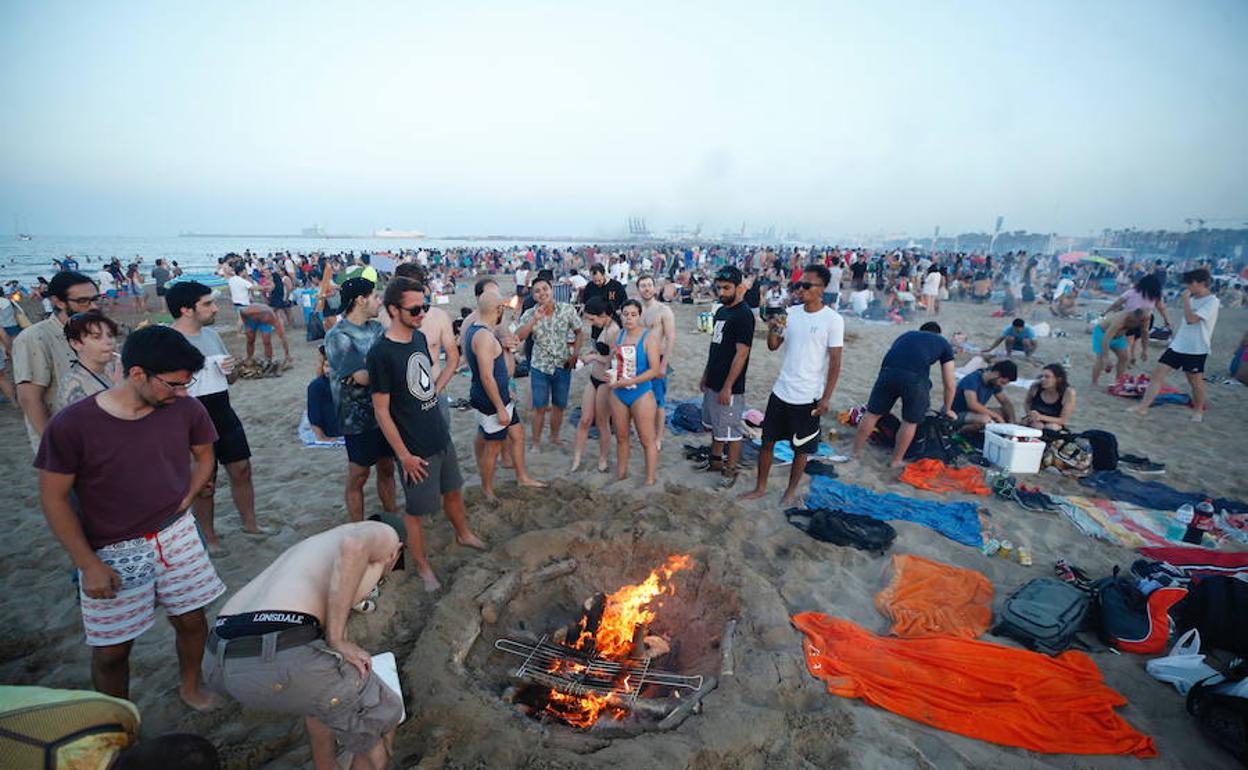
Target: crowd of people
point(128, 443)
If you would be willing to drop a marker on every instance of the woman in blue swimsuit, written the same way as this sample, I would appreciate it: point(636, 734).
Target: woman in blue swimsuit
point(633, 396)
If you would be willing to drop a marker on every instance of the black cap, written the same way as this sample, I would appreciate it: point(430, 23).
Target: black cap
point(354, 287)
point(730, 274)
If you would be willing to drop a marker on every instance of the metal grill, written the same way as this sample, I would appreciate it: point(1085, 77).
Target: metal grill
point(575, 673)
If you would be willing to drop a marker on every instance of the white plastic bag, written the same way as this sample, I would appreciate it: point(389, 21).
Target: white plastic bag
point(1184, 666)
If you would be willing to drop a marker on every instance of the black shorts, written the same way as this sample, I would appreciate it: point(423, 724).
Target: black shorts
point(1186, 362)
point(231, 445)
point(913, 388)
point(365, 449)
point(794, 423)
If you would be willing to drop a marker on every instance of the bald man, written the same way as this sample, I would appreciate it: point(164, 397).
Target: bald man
point(490, 395)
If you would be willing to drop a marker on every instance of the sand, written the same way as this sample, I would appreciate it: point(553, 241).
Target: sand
point(748, 563)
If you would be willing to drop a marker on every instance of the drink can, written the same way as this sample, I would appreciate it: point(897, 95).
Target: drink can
point(991, 547)
point(1024, 556)
point(1006, 550)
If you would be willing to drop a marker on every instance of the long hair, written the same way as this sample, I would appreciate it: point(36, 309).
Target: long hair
point(1059, 374)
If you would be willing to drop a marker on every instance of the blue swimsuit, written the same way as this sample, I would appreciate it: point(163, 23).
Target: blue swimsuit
point(629, 395)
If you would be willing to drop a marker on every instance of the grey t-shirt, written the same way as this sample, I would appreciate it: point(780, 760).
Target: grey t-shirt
point(210, 379)
point(161, 276)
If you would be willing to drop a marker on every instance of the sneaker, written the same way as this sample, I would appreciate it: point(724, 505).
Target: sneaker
point(728, 479)
point(1145, 469)
point(709, 464)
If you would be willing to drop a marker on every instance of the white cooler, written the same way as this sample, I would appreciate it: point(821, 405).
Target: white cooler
point(1013, 447)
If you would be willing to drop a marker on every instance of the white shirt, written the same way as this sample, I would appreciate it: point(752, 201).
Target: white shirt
point(105, 279)
point(807, 337)
point(834, 283)
point(619, 271)
point(240, 289)
point(859, 301)
point(577, 281)
point(1063, 286)
point(1194, 339)
point(931, 283)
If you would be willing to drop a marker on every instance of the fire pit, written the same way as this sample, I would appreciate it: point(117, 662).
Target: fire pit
point(638, 659)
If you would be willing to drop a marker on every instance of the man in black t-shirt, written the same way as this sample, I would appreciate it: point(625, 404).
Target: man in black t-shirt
point(723, 379)
point(904, 374)
point(612, 291)
point(405, 403)
point(858, 271)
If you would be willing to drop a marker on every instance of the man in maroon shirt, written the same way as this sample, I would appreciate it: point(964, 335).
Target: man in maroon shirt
point(126, 454)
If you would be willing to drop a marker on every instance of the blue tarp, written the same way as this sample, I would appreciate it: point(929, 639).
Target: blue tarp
point(957, 521)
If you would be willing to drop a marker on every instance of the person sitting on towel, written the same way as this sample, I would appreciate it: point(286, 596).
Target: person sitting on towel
point(974, 391)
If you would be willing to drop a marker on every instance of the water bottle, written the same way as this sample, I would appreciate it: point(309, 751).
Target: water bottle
point(1066, 361)
point(1180, 526)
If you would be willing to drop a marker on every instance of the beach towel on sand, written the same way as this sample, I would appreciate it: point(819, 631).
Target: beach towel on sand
point(957, 521)
point(928, 598)
point(1153, 494)
point(1117, 522)
point(981, 690)
point(935, 476)
point(1200, 562)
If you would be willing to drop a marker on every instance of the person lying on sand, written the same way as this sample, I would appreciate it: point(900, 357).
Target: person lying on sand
point(280, 644)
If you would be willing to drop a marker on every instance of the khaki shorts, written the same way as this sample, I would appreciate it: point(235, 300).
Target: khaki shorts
point(309, 680)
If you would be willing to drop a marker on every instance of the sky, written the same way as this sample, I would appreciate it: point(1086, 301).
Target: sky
point(566, 118)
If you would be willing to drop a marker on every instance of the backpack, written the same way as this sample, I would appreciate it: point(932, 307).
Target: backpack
point(1071, 455)
point(932, 441)
point(1131, 621)
point(1218, 606)
point(315, 328)
point(841, 528)
point(885, 433)
point(1222, 717)
point(688, 417)
point(1044, 615)
point(1104, 449)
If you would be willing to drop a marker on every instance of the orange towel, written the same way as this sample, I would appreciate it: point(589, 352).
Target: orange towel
point(927, 598)
point(987, 691)
point(938, 477)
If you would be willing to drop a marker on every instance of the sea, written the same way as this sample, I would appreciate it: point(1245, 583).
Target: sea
point(25, 261)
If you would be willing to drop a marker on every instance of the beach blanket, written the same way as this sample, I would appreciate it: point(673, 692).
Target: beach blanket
point(935, 476)
point(957, 521)
point(928, 598)
point(1200, 562)
point(1153, 494)
point(1121, 523)
point(1133, 386)
point(990, 692)
point(308, 438)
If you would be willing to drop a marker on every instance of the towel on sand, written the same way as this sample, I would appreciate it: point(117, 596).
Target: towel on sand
point(1153, 494)
point(935, 476)
point(957, 521)
point(1200, 562)
point(978, 689)
point(1117, 522)
point(928, 598)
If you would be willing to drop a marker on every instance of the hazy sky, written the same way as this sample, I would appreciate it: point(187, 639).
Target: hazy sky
point(567, 117)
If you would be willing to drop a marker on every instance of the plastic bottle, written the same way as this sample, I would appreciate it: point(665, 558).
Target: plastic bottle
point(1201, 522)
point(1066, 361)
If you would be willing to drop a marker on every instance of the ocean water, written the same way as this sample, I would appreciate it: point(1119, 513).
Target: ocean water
point(26, 260)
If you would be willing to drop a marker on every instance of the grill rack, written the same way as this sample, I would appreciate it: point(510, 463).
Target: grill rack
point(599, 675)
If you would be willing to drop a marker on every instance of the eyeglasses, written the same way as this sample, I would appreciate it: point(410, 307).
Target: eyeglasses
point(804, 285)
point(83, 301)
point(416, 309)
point(173, 385)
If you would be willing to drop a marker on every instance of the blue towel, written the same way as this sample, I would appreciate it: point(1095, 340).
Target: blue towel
point(957, 521)
point(783, 454)
point(1116, 485)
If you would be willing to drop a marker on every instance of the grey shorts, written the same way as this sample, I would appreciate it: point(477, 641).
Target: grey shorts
point(309, 680)
point(443, 476)
point(444, 408)
point(723, 421)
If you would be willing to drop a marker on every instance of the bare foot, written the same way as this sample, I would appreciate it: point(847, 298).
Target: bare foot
point(489, 498)
point(576, 463)
point(650, 482)
point(555, 440)
point(471, 541)
point(1198, 417)
point(621, 476)
point(788, 501)
point(216, 550)
point(603, 465)
point(536, 448)
point(1137, 410)
point(200, 700)
point(529, 481)
point(897, 464)
point(431, 580)
point(753, 494)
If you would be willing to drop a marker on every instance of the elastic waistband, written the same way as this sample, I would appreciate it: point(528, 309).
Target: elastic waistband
point(261, 622)
point(264, 645)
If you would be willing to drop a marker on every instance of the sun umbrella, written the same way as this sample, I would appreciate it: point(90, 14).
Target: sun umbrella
point(1071, 257)
point(1098, 260)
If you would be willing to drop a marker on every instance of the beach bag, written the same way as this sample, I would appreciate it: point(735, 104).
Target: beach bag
point(932, 441)
point(1044, 615)
point(1070, 455)
point(1104, 449)
point(1184, 666)
point(315, 329)
point(1128, 619)
point(688, 417)
point(845, 529)
point(1222, 717)
point(1218, 607)
point(885, 433)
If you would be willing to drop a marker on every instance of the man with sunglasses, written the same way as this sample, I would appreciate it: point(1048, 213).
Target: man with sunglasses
point(41, 353)
point(405, 403)
point(126, 454)
point(813, 336)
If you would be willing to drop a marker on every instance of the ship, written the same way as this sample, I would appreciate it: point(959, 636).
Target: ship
point(386, 232)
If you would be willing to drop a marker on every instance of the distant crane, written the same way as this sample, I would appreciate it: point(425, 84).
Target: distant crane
point(1199, 222)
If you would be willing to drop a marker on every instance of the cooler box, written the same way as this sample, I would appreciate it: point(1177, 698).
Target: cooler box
point(1013, 447)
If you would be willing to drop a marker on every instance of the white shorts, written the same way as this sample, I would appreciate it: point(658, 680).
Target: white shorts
point(169, 568)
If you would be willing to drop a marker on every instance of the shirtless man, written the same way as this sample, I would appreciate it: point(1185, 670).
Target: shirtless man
point(263, 319)
point(280, 642)
point(439, 335)
point(658, 318)
point(510, 344)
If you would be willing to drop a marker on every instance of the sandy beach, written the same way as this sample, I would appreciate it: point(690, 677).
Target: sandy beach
point(748, 563)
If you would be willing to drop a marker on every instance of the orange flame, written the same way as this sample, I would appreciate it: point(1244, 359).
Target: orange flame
point(624, 611)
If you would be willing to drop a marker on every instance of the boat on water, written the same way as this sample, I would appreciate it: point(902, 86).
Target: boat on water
point(23, 237)
point(386, 232)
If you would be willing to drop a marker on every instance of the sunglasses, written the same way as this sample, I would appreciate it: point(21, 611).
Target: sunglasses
point(804, 285)
point(80, 301)
point(173, 385)
point(416, 309)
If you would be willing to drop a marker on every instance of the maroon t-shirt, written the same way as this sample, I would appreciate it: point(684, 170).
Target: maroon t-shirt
point(129, 475)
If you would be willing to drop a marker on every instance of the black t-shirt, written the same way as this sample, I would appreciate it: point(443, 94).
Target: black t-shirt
point(612, 291)
point(405, 371)
point(752, 296)
point(858, 270)
point(732, 325)
point(917, 351)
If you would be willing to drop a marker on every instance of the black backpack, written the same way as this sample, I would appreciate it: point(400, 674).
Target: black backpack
point(885, 433)
point(1045, 615)
point(1223, 718)
point(1218, 606)
point(688, 417)
point(315, 329)
point(932, 441)
point(841, 528)
point(1104, 449)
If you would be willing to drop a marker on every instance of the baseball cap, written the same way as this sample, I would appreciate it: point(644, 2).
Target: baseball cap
point(730, 274)
point(354, 287)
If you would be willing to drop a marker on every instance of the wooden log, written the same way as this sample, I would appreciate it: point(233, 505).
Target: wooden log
point(555, 569)
point(493, 599)
point(688, 705)
point(649, 707)
point(462, 644)
point(727, 666)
